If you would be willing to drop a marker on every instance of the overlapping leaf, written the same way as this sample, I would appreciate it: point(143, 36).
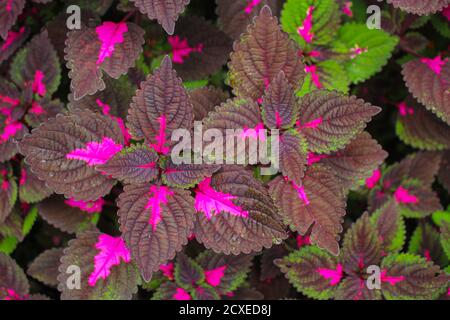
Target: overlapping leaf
point(204, 100)
point(13, 41)
point(9, 11)
point(244, 218)
point(355, 288)
point(293, 156)
point(260, 55)
point(155, 241)
point(186, 175)
point(159, 107)
point(209, 46)
point(87, 56)
point(165, 11)
point(329, 120)
point(45, 267)
point(12, 278)
point(61, 215)
point(319, 203)
point(188, 273)
point(302, 269)
point(46, 151)
point(357, 161)
point(135, 165)
point(8, 194)
point(444, 171)
point(390, 226)
point(425, 242)
point(31, 189)
point(121, 283)
point(428, 87)
point(43, 110)
point(420, 7)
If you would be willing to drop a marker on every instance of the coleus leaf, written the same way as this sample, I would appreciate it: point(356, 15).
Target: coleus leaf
point(165, 11)
point(204, 292)
point(318, 204)
point(269, 271)
point(13, 282)
point(99, 6)
point(188, 273)
point(134, 165)
point(37, 65)
point(186, 175)
point(8, 194)
point(445, 239)
point(407, 276)
point(293, 156)
point(357, 161)
point(311, 21)
point(12, 42)
point(31, 189)
point(43, 110)
point(64, 215)
point(232, 269)
point(9, 11)
point(361, 247)
point(110, 47)
point(279, 107)
point(444, 171)
point(170, 291)
point(164, 215)
point(390, 226)
point(312, 271)
point(330, 120)
point(11, 131)
point(64, 150)
point(159, 107)
point(421, 129)
point(95, 252)
point(199, 48)
point(355, 288)
point(416, 201)
point(368, 50)
point(425, 242)
point(330, 75)
point(236, 15)
point(204, 100)
point(235, 214)
point(253, 67)
point(45, 267)
point(427, 81)
point(422, 7)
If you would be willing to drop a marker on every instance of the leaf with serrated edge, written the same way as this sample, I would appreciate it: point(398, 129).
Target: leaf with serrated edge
point(204, 100)
point(390, 226)
point(9, 11)
point(45, 267)
point(186, 175)
point(188, 273)
point(121, 283)
point(293, 156)
point(31, 189)
point(355, 288)
point(154, 244)
point(330, 120)
point(319, 203)
point(425, 242)
point(420, 7)
point(12, 278)
point(260, 55)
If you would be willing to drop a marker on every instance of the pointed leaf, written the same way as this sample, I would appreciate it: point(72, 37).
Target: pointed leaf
point(357, 161)
point(319, 203)
point(188, 273)
point(204, 100)
point(159, 107)
point(9, 11)
point(165, 11)
point(425, 242)
point(293, 156)
point(43, 110)
point(134, 165)
point(355, 288)
point(156, 222)
point(409, 277)
point(13, 41)
point(85, 252)
point(312, 271)
point(64, 149)
point(235, 214)
point(12, 279)
point(199, 48)
point(260, 55)
point(31, 189)
point(329, 120)
point(45, 267)
point(426, 81)
point(186, 175)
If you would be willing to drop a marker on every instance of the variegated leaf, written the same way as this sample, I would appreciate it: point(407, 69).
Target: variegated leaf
point(45, 267)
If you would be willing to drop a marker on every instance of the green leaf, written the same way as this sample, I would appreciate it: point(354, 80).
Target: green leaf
point(8, 244)
point(391, 227)
point(326, 19)
point(333, 76)
point(445, 239)
point(377, 46)
point(29, 221)
point(441, 25)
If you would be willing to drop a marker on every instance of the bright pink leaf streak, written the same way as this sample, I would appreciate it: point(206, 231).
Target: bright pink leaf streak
point(12, 295)
point(181, 294)
point(212, 202)
point(96, 153)
point(446, 13)
point(168, 270)
point(106, 109)
point(391, 280)
point(10, 130)
point(335, 276)
point(251, 5)
point(181, 49)
point(112, 251)
point(11, 38)
point(110, 34)
point(402, 195)
point(254, 133)
point(38, 85)
point(314, 158)
point(305, 30)
point(404, 110)
point(214, 277)
point(23, 177)
point(158, 196)
point(86, 206)
point(36, 108)
point(9, 5)
point(347, 9)
point(314, 75)
point(161, 141)
point(373, 180)
point(435, 64)
point(314, 124)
